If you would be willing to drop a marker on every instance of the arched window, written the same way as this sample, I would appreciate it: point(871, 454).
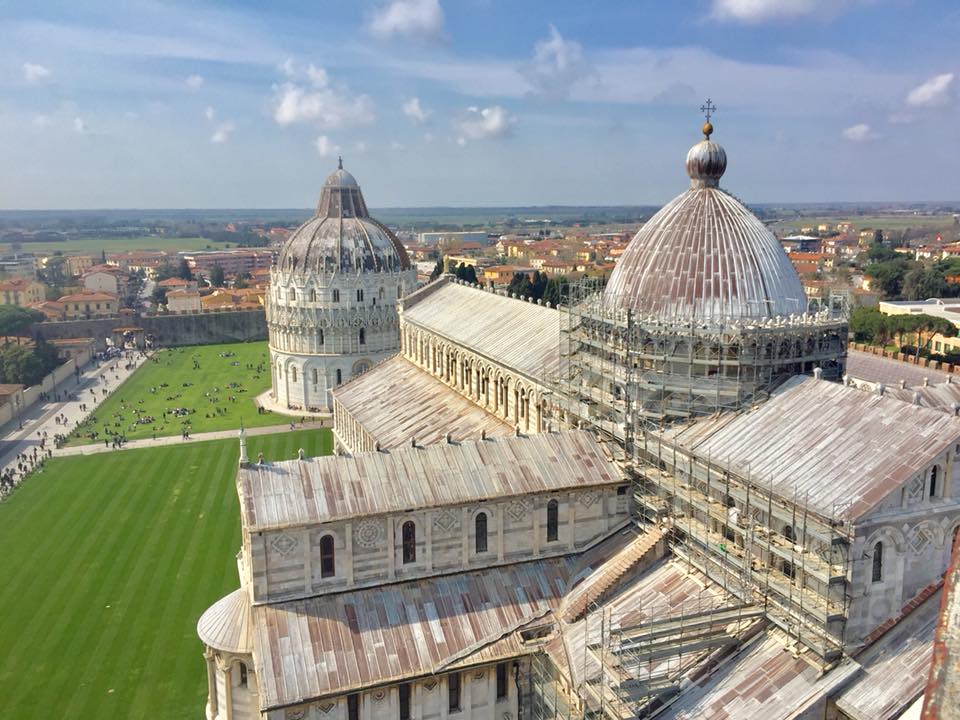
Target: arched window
point(933, 481)
point(243, 674)
point(320, 338)
point(293, 374)
point(409, 534)
point(293, 294)
point(553, 520)
point(380, 293)
point(316, 376)
point(878, 562)
point(313, 295)
point(328, 565)
point(480, 528)
point(363, 336)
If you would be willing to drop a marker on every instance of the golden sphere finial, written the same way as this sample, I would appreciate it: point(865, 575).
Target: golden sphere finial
point(707, 130)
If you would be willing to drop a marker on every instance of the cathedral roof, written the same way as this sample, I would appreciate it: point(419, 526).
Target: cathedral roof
point(226, 625)
point(705, 257)
point(325, 489)
point(341, 236)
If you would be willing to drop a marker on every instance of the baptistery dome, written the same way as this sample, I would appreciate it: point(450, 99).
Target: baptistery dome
point(705, 257)
point(342, 236)
point(332, 306)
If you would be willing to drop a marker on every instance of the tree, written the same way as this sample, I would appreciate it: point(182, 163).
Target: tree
point(242, 281)
point(159, 296)
point(878, 237)
point(166, 271)
point(183, 271)
point(216, 276)
point(437, 270)
point(17, 320)
point(921, 283)
point(927, 326)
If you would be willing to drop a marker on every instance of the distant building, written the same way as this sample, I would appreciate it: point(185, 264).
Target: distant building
point(20, 264)
point(107, 279)
point(21, 292)
point(233, 262)
point(453, 238)
point(79, 264)
point(183, 300)
point(85, 305)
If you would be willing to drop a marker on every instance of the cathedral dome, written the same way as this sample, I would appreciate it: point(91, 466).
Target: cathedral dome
point(705, 257)
point(341, 236)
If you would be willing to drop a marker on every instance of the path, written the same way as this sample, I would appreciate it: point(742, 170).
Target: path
point(96, 448)
point(41, 417)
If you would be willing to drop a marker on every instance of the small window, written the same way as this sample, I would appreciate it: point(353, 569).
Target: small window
point(293, 374)
point(399, 291)
point(328, 564)
point(363, 336)
point(320, 337)
point(353, 707)
point(409, 534)
point(878, 562)
point(243, 675)
point(339, 376)
point(405, 701)
point(622, 490)
point(933, 481)
point(480, 527)
point(453, 692)
point(293, 294)
point(501, 681)
point(553, 519)
point(336, 296)
point(313, 295)
point(359, 295)
point(315, 376)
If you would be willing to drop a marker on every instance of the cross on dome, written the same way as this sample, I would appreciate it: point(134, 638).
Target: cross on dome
point(708, 108)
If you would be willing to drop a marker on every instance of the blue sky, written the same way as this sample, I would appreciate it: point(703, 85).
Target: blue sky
point(474, 102)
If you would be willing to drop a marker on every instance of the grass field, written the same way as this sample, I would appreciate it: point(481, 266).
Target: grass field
point(120, 244)
point(144, 395)
point(106, 563)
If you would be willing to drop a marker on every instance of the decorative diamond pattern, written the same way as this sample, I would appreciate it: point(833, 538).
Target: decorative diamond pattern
point(284, 544)
point(517, 510)
point(589, 498)
point(918, 539)
point(445, 521)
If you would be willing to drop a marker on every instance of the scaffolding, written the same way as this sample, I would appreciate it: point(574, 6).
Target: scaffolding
point(617, 672)
point(779, 554)
point(622, 373)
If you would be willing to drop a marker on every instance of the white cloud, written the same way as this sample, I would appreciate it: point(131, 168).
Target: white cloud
point(288, 68)
point(318, 76)
point(481, 123)
point(361, 147)
point(419, 19)
point(412, 109)
point(41, 121)
point(758, 11)
point(209, 113)
point(327, 106)
point(79, 126)
point(556, 66)
point(194, 82)
point(34, 73)
point(325, 146)
point(935, 92)
point(396, 145)
point(861, 132)
point(222, 133)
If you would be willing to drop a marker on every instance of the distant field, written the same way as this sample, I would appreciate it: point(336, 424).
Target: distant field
point(115, 245)
point(208, 388)
point(107, 562)
point(884, 222)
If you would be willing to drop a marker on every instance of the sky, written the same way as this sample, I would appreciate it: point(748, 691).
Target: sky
point(247, 104)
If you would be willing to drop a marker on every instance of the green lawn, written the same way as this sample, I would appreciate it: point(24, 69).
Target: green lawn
point(208, 389)
point(106, 563)
point(82, 246)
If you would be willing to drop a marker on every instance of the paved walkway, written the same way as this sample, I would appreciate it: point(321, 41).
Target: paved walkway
point(39, 422)
point(96, 448)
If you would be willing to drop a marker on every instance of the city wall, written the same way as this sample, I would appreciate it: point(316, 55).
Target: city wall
point(167, 330)
point(28, 396)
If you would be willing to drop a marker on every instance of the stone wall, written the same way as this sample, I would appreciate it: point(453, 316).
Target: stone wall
point(168, 330)
point(906, 358)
